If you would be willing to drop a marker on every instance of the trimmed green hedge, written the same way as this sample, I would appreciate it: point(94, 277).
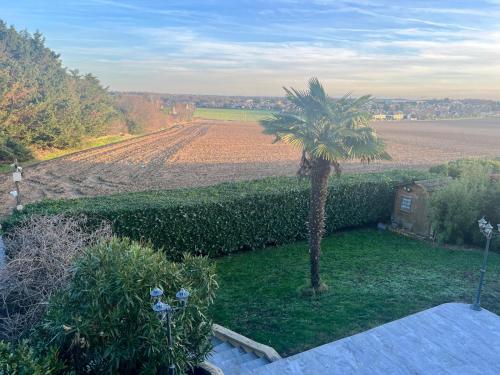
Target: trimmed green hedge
point(229, 217)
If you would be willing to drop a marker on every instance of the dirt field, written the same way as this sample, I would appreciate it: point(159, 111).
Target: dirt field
point(207, 152)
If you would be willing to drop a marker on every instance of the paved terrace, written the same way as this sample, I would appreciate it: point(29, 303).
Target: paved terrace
point(447, 339)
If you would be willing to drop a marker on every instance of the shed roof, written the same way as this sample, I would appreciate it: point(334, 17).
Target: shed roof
point(433, 184)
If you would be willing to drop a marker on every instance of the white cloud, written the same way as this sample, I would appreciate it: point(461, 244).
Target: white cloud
point(179, 59)
point(414, 52)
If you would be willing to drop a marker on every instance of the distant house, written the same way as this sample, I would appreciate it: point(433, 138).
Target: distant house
point(379, 116)
point(392, 116)
point(398, 116)
point(183, 111)
point(411, 205)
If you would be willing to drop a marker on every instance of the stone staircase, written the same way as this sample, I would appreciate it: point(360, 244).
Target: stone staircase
point(233, 360)
point(234, 354)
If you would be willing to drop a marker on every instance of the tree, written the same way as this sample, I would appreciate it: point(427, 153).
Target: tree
point(41, 102)
point(96, 104)
point(327, 131)
point(141, 113)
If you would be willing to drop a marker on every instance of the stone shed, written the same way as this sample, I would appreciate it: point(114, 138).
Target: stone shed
point(411, 205)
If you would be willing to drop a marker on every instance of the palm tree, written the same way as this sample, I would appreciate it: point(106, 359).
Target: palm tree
point(327, 131)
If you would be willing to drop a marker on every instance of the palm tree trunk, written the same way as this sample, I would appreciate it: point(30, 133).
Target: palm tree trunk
point(320, 172)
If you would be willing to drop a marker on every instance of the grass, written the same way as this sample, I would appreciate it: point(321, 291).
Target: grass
point(232, 114)
point(4, 168)
point(373, 277)
point(42, 155)
point(85, 144)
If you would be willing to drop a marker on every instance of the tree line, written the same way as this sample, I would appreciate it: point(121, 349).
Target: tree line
point(46, 105)
point(42, 103)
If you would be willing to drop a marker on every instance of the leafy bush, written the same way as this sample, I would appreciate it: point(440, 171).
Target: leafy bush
point(454, 210)
point(6, 156)
point(22, 360)
point(104, 322)
point(133, 126)
point(221, 219)
point(40, 253)
point(457, 167)
point(11, 149)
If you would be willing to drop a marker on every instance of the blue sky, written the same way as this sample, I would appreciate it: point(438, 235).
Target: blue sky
point(386, 48)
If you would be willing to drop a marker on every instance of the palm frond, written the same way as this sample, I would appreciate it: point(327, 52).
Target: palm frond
point(281, 122)
point(327, 129)
point(293, 139)
point(316, 90)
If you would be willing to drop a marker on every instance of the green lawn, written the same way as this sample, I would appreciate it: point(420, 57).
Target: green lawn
point(373, 278)
point(231, 114)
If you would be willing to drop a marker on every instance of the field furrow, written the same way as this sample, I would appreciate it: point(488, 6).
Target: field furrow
point(207, 152)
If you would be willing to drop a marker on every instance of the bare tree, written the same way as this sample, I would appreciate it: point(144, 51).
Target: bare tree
point(40, 254)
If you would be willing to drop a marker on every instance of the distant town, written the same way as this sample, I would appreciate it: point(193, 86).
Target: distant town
point(381, 109)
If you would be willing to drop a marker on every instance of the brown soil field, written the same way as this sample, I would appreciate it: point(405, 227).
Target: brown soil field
point(207, 152)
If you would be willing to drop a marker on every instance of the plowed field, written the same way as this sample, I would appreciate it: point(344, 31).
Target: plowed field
point(206, 152)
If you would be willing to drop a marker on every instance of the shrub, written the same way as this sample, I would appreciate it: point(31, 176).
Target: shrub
point(22, 360)
point(40, 253)
point(104, 322)
point(454, 210)
point(11, 149)
point(6, 155)
point(457, 167)
point(221, 219)
point(133, 126)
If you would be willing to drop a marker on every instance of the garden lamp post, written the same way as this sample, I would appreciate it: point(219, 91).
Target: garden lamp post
point(165, 313)
point(487, 230)
point(17, 177)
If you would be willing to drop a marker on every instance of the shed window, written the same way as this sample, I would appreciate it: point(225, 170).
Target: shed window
point(405, 204)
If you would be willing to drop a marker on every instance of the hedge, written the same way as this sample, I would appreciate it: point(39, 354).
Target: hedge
point(232, 216)
point(456, 168)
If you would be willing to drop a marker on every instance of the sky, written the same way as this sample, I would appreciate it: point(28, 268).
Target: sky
point(390, 49)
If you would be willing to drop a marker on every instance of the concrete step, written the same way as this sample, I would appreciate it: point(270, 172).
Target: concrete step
point(225, 355)
point(248, 367)
point(222, 347)
point(247, 357)
point(242, 357)
point(233, 365)
point(215, 341)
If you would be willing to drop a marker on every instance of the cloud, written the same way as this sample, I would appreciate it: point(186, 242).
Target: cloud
point(254, 47)
point(180, 57)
